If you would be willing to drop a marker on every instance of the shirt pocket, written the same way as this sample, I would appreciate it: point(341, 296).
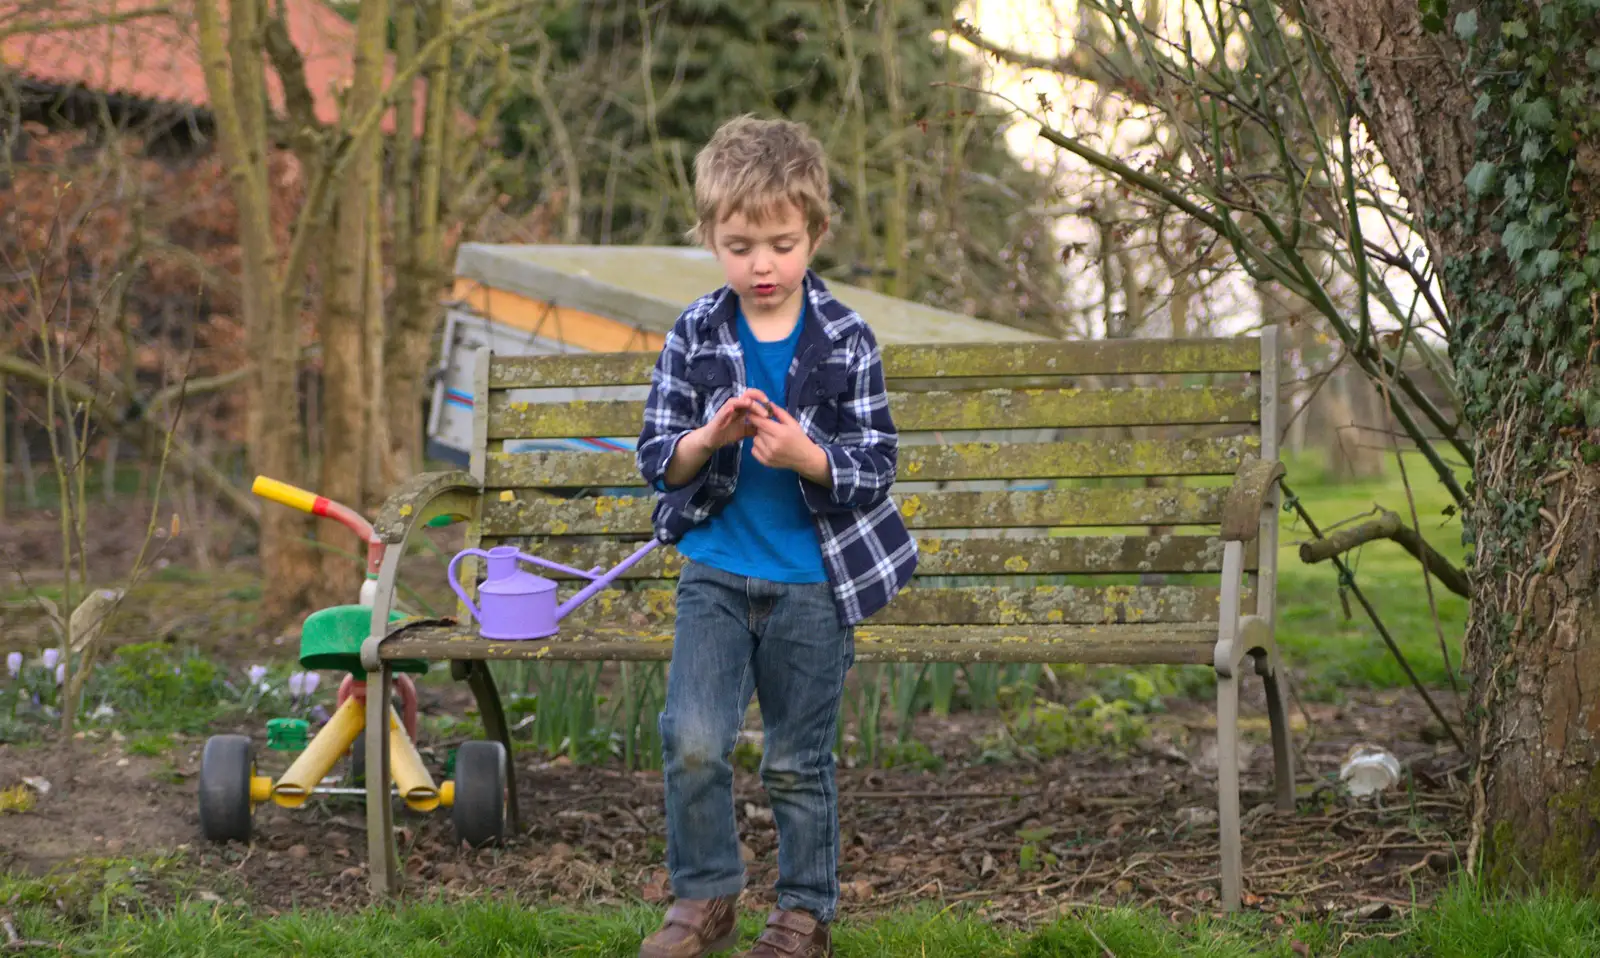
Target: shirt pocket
point(711, 378)
point(820, 399)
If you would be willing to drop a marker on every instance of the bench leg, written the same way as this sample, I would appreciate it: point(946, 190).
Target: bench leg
point(1228, 789)
point(1278, 715)
point(481, 681)
point(382, 856)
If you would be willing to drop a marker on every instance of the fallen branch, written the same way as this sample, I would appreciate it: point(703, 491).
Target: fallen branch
point(1105, 950)
point(996, 825)
point(15, 942)
point(1347, 578)
point(197, 387)
point(1387, 525)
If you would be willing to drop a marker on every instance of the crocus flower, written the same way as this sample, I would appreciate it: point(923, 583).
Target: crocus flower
point(61, 673)
point(296, 681)
point(257, 673)
point(14, 664)
point(312, 681)
point(51, 656)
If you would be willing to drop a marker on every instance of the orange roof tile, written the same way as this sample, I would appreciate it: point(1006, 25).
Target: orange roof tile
point(157, 58)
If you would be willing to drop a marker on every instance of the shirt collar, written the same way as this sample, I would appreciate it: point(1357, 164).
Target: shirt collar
point(823, 317)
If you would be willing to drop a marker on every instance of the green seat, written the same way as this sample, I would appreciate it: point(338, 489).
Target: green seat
point(331, 639)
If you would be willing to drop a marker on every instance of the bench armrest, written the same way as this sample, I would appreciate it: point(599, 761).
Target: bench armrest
point(423, 498)
point(1252, 486)
point(419, 500)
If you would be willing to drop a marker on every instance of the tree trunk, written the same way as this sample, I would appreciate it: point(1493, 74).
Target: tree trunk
point(406, 369)
point(4, 474)
point(345, 397)
point(234, 78)
point(1343, 421)
point(1533, 639)
point(343, 405)
point(375, 337)
point(896, 231)
point(416, 296)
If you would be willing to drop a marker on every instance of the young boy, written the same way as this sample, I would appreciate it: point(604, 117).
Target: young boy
point(768, 434)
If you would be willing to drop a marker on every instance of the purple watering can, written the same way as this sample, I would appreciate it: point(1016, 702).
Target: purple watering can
point(514, 604)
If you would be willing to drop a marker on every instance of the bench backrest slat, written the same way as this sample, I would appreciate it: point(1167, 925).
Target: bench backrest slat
point(1121, 357)
point(976, 605)
point(953, 462)
point(1032, 555)
point(1127, 447)
point(925, 411)
point(532, 513)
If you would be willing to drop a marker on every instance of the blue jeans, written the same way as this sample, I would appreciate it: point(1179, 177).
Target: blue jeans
point(783, 642)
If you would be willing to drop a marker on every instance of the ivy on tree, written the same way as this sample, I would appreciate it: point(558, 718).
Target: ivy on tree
point(1536, 127)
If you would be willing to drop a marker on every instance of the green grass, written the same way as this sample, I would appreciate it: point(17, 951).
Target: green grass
point(1331, 651)
point(1465, 924)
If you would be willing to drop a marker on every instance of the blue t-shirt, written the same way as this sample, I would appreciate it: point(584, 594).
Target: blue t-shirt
point(766, 530)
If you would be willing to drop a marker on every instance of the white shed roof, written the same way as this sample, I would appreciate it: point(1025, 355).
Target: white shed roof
point(648, 286)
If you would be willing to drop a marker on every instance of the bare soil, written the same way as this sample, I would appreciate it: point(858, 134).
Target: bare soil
point(1096, 827)
point(1018, 841)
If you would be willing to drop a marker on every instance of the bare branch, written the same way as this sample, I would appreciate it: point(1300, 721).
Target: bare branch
point(1388, 525)
point(87, 23)
point(111, 416)
point(197, 387)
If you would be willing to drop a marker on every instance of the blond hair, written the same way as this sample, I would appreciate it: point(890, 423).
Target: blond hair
point(753, 166)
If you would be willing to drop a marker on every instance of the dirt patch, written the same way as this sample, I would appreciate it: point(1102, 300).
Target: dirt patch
point(101, 802)
point(1020, 841)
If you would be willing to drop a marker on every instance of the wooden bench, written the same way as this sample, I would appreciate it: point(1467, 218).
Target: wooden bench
point(1151, 410)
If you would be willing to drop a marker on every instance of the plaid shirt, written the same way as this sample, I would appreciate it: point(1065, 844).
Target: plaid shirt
point(835, 389)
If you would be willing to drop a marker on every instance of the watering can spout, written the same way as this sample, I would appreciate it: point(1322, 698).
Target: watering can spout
point(605, 579)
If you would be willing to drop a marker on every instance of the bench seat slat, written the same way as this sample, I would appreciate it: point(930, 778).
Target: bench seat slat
point(922, 412)
point(534, 513)
point(956, 461)
point(1177, 644)
point(1119, 357)
point(1033, 555)
point(648, 608)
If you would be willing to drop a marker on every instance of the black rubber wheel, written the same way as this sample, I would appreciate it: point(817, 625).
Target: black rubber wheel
point(226, 767)
point(479, 812)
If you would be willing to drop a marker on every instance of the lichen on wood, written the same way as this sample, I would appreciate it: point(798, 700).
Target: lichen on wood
point(924, 411)
point(940, 556)
point(533, 513)
point(956, 461)
point(1121, 357)
point(1110, 645)
point(977, 605)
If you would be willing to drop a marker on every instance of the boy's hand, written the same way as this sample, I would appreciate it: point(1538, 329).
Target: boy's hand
point(781, 443)
point(732, 423)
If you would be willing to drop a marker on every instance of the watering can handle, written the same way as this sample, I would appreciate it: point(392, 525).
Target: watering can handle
point(450, 574)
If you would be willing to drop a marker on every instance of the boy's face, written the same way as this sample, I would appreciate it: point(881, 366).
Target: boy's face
point(765, 262)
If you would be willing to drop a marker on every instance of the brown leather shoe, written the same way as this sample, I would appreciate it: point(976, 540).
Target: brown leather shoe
point(695, 928)
point(792, 934)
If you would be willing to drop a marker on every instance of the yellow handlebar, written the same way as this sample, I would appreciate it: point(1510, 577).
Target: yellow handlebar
point(281, 492)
